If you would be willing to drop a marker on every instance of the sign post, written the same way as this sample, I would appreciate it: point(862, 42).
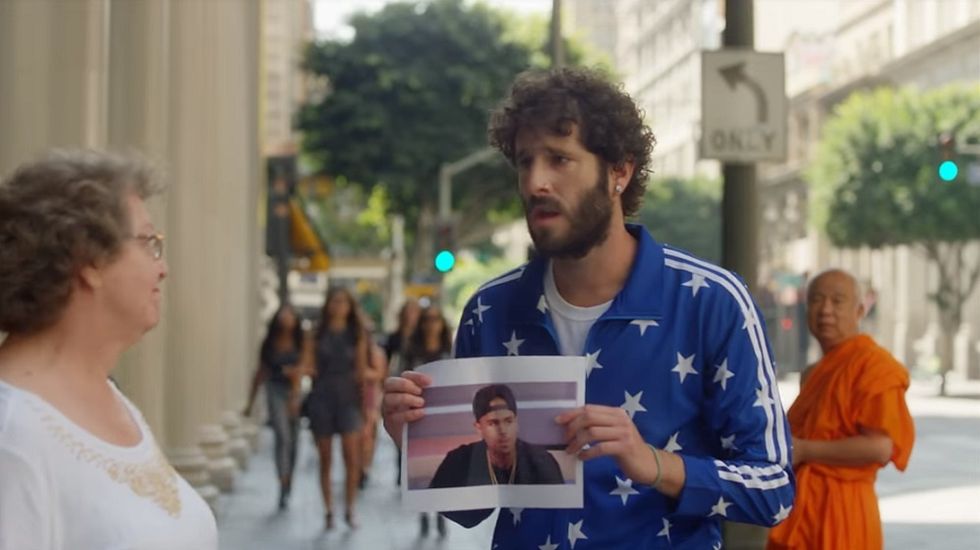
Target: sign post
point(743, 121)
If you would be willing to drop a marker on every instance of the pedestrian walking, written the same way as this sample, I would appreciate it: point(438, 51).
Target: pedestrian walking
point(396, 346)
point(430, 341)
point(280, 370)
point(374, 375)
point(334, 403)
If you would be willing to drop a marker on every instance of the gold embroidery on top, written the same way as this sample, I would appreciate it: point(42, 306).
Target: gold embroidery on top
point(154, 479)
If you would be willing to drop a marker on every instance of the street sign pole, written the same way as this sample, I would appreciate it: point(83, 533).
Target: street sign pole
point(739, 214)
point(739, 205)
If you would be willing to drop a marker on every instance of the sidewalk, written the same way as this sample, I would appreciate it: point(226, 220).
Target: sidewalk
point(249, 520)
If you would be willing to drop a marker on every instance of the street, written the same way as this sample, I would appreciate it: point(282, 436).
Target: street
point(935, 504)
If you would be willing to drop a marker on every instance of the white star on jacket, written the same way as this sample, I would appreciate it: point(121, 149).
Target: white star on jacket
point(644, 324)
point(684, 366)
point(723, 374)
point(593, 362)
point(750, 320)
point(624, 488)
point(516, 512)
point(513, 345)
point(696, 283)
point(575, 532)
point(472, 325)
point(762, 399)
point(720, 509)
point(548, 545)
point(728, 443)
point(480, 308)
point(632, 404)
point(783, 513)
point(672, 445)
point(665, 532)
point(542, 304)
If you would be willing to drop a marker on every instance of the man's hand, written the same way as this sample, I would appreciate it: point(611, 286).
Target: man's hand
point(403, 402)
point(609, 431)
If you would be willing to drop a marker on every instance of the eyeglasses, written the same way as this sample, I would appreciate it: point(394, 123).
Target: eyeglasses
point(153, 243)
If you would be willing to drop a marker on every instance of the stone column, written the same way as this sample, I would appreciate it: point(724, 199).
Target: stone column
point(208, 102)
point(236, 64)
point(137, 107)
point(54, 58)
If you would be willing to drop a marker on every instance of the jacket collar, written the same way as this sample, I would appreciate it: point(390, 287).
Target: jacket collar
point(640, 298)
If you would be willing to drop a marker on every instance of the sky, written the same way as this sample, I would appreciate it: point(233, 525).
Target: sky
point(329, 16)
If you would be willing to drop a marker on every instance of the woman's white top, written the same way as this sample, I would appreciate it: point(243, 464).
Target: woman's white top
point(62, 488)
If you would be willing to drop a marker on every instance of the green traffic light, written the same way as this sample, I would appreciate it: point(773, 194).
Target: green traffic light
point(948, 170)
point(445, 261)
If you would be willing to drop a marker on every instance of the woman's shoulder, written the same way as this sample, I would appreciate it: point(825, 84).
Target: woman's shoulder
point(21, 421)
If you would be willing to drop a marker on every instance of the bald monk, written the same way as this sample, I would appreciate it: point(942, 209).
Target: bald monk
point(849, 421)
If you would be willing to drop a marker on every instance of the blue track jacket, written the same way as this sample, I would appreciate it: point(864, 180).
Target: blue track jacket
point(683, 349)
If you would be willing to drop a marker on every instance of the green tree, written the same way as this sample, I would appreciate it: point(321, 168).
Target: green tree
point(351, 223)
point(685, 214)
point(412, 91)
point(874, 183)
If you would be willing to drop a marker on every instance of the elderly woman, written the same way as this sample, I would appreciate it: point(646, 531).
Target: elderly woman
point(80, 271)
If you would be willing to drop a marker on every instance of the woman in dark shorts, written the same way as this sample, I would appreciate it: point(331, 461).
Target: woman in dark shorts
point(334, 403)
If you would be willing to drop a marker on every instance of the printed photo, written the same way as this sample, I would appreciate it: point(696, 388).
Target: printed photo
point(489, 436)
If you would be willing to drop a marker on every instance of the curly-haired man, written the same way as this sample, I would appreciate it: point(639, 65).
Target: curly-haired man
point(683, 426)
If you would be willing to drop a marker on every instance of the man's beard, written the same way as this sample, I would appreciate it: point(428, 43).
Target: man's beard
point(588, 223)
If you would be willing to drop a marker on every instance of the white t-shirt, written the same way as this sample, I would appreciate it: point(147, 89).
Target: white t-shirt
point(62, 488)
point(572, 323)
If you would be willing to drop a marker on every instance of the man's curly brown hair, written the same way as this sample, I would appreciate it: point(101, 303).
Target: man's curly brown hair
point(57, 215)
point(609, 122)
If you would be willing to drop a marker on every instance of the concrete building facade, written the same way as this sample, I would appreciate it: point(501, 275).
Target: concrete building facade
point(832, 49)
point(287, 26)
point(895, 43)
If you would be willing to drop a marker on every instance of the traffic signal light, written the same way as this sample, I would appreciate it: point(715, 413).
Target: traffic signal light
point(948, 167)
point(445, 249)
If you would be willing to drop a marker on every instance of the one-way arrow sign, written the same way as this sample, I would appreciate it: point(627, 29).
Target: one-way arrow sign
point(733, 74)
point(743, 106)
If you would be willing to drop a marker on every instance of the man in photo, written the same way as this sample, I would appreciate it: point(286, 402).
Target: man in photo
point(499, 457)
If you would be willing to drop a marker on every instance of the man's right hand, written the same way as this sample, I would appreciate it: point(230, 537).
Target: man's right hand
point(403, 402)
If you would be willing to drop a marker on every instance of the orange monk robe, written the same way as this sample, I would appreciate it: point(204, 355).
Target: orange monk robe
point(856, 384)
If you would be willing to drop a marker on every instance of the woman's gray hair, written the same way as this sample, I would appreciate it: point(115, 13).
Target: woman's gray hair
point(59, 214)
